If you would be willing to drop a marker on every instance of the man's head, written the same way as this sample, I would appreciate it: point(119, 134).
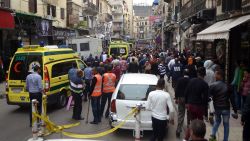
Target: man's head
point(37, 69)
point(201, 71)
point(74, 65)
point(161, 84)
point(218, 75)
point(198, 129)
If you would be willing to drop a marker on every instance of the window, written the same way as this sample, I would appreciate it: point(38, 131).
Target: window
point(100, 8)
point(84, 46)
point(53, 11)
point(146, 23)
point(48, 9)
point(134, 92)
point(5, 3)
point(61, 68)
point(231, 5)
point(33, 6)
point(82, 66)
point(62, 13)
point(73, 46)
point(23, 65)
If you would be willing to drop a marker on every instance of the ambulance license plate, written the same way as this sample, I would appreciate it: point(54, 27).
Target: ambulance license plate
point(17, 90)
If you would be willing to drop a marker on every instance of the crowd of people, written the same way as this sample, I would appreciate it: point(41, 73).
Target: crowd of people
point(200, 90)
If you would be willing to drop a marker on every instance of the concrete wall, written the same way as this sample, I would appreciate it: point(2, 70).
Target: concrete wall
point(23, 6)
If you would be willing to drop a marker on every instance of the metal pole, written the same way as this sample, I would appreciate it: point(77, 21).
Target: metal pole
point(43, 114)
point(35, 123)
point(162, 35)
point(138, 122)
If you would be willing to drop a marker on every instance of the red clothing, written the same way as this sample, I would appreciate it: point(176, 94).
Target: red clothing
point(117, 71)
point(246, 86)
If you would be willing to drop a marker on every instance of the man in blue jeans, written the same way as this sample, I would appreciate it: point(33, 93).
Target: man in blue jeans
point(221, 99)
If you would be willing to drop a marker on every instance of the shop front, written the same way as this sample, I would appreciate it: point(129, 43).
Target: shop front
point(231, 42)
point(61, 35)
point(7, 25)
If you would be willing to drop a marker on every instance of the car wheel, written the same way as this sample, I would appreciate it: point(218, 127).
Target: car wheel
point(62, 100)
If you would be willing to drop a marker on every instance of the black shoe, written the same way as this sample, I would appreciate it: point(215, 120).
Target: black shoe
point(93, 122)
point(178, 134)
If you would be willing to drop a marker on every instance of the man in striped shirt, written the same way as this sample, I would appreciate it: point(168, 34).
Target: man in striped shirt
point(162, 69)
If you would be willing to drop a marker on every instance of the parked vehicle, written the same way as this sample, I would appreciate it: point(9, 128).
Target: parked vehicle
point(55, 64)
point(85, 46)
point(131, 90)
point(119, 48)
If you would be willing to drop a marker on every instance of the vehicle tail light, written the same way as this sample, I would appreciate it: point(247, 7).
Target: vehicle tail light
point(113, 106)
point(46, 79)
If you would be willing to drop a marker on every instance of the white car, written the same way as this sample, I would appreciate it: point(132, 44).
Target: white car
point(132, 89)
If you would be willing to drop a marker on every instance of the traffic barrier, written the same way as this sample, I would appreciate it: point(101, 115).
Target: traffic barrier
point(53, 128)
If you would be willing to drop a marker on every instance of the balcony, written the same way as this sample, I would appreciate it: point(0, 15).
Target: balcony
point(105, 17)
point(118, 11)
point(194, 6)
point(117, 28)
point(118, 20)
point(90, 8)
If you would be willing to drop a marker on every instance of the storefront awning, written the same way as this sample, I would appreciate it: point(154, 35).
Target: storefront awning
point(7, 20)
point(220, 30)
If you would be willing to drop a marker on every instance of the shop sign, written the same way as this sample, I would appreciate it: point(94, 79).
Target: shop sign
point(44, 27)
point(62, 34)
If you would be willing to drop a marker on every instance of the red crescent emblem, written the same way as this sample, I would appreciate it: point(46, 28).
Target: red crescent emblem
point(16, 67)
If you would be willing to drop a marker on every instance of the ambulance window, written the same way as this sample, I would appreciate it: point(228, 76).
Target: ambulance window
point(23, 65)
point(81, 65)
point(61, 68)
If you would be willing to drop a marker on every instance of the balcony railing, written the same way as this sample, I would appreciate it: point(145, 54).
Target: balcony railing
point(105, 17)
point(194, 6)
point(117, 28)
point(90, 8)
point(118, 20)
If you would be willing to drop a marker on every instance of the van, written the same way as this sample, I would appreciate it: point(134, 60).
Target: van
point(85, 46)
point(119, 48)
point(55, 64)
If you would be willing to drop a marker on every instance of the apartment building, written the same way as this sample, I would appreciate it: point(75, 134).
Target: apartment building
point(33, 21)
point(118, 18)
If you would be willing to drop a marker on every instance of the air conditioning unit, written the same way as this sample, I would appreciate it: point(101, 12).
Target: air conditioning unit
point(49, 17)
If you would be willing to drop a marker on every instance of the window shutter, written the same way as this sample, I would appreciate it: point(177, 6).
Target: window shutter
point(6, 3)
point(33, 6)
point(48, 9)
point(62, 13)
point(54, 11)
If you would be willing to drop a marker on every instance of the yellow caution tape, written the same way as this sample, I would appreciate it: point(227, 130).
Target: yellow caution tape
point(87, 136)
point(53, 128)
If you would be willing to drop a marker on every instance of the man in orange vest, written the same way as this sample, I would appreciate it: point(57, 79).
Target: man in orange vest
point(96, 91)
point(108, 87)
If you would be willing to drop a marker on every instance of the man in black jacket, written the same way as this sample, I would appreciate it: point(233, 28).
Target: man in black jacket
point(196, 98)
point(245, 119)
point(180, 100)
point(221, 100)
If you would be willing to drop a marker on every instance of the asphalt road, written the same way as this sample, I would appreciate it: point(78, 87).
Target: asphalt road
point(14, 125)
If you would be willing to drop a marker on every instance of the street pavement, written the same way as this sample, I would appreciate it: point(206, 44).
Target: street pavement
point(14, 124)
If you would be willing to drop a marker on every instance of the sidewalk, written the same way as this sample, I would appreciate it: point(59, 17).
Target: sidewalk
point(2, 89)
point(235, 133)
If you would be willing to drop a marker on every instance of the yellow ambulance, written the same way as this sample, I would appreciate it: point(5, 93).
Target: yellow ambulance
point(54, 62)
point(119, 48)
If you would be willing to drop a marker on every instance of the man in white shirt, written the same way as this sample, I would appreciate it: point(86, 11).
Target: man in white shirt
point(158, 102)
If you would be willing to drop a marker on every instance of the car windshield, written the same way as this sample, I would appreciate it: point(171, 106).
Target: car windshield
point(23, 65)
point(134, 92)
